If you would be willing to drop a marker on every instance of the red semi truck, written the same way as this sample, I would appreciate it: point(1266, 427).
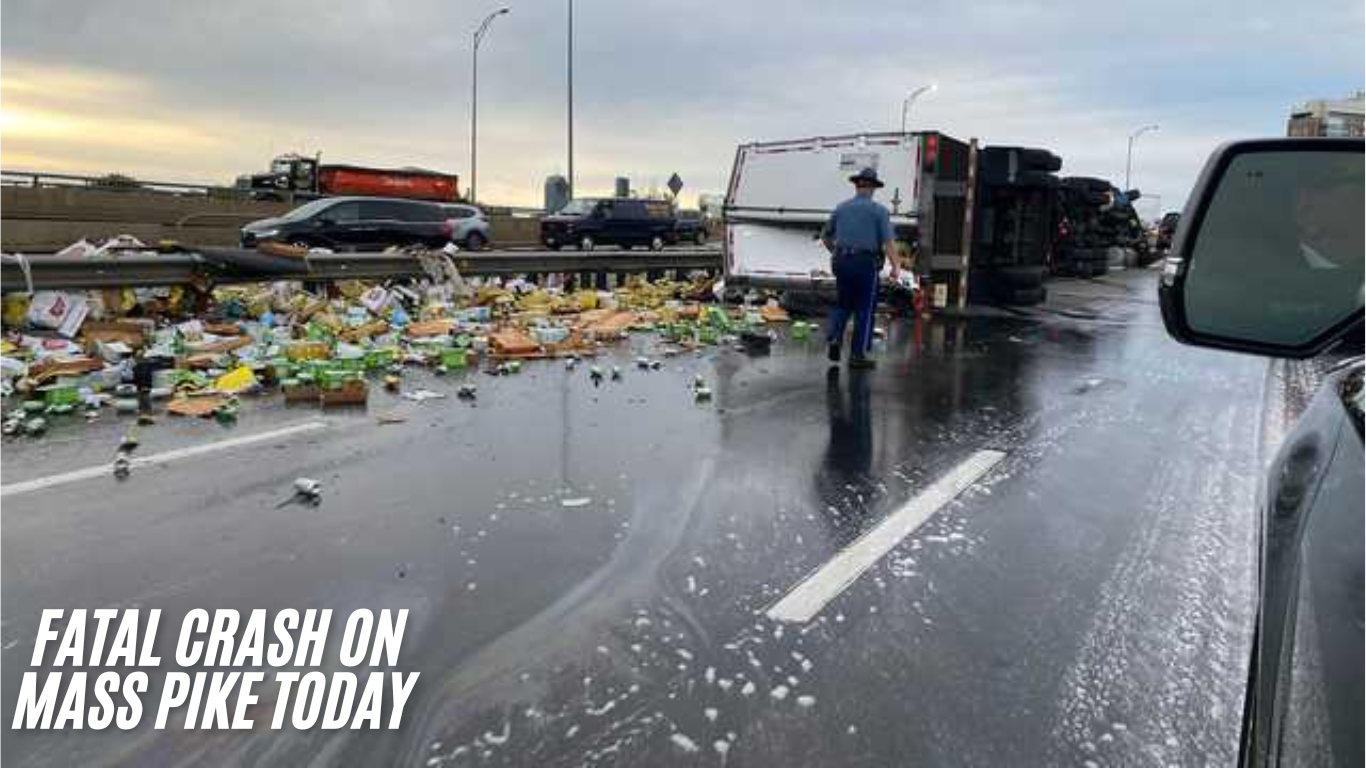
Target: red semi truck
point(295, 178)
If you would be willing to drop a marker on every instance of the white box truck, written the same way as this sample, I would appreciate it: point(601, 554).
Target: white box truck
point(782, 192)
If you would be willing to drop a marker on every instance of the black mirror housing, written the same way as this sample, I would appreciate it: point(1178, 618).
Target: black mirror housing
point(1251, 286)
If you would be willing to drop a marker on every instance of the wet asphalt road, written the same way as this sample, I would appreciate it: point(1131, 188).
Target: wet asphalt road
point(1086, 602)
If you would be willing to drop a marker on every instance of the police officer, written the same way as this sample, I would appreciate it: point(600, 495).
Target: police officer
point(859, 237)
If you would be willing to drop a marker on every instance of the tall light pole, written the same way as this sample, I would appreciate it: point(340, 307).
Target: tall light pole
point(1129, 158)
point(569, 61)
point(474, 99)
point(906, 105)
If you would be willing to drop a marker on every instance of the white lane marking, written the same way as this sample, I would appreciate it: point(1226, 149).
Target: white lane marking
point(41, 483)
point(805, 600)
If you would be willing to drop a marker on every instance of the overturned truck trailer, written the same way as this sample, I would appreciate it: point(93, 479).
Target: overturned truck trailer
point(782, 192)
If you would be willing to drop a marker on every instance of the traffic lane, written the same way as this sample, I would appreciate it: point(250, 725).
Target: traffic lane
point(591, 673)
point(1093, 599)
point(211, 532)
point(467, 514)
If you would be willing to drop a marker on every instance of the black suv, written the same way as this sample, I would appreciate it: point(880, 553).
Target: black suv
point(355, 224)
point(589, 222)
point(1267, 259)
point(690, 228)
point(1166, 229)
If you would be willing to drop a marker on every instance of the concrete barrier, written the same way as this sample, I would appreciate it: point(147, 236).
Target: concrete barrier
point(42, 219)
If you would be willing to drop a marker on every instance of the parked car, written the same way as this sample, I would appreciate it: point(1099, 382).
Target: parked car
point(624, 222)
point(690, 227)
point(355, 224)
point(1166, 229)
point(469, 225)
point(1267, 259)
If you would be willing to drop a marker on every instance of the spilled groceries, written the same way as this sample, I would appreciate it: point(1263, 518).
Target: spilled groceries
point(71, 357)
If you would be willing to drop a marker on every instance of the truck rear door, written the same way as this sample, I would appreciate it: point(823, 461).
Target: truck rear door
point(781, 194)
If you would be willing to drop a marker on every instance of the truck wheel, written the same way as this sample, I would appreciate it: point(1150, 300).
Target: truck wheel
point(656, 243)
point(1039, 160)
point(475, 242)
point(700, 238)
point(587, 244)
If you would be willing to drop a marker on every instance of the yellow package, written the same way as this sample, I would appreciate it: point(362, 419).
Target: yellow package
point(236, 380)
point(586, 300)
point(15, 309)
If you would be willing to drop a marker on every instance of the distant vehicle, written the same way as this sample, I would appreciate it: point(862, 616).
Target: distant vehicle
point(469, 225)
point(624, 222)
point(295, 178)
point(1268, 260)
point(355, 224)
point(1166, 229)
point(690, 227)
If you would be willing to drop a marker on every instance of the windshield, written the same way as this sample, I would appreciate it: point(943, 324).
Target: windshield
point(308, 210)
point(581, 206)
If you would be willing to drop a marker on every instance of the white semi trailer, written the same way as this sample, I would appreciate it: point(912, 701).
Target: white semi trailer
point(782, 192)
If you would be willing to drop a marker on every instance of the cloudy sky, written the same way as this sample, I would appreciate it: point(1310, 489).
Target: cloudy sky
point(200, 90)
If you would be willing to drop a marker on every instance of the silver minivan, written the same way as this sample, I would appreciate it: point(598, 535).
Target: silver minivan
point(469, 225)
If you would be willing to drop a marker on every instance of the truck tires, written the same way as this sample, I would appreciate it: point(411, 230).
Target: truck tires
point(656, 243)
point(1039, 160)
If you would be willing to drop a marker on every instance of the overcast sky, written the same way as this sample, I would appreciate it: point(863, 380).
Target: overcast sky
point(201, 91)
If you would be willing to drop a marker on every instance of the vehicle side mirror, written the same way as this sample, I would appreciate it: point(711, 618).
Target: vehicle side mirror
point(1268, 255)
point(1133, 195)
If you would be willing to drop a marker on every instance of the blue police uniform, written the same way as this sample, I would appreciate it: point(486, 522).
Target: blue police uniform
point(859, 227)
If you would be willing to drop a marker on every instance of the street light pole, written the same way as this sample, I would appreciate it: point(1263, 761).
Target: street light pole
point(569, 61)
point(1129, 158)
point(474, 99)
point(906, 105)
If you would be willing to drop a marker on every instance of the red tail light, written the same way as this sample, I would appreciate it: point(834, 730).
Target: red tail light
point(931, 158)
point(448, 228)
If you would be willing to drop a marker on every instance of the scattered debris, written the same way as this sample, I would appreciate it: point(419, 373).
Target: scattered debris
point(308, 489)
point(423, 395)
point(194, 351)
point(683, 742)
